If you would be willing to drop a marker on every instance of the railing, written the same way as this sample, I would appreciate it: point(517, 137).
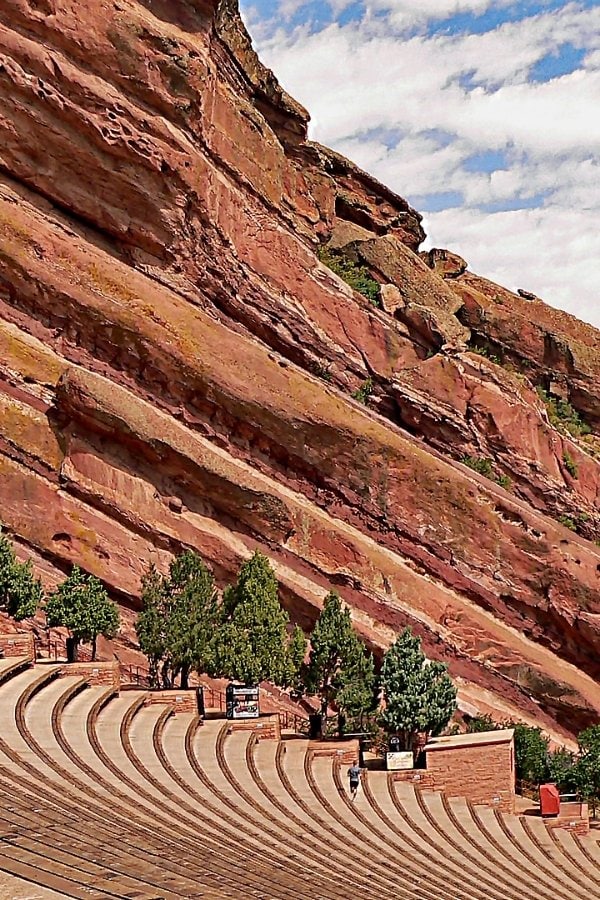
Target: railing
point(293, 721)
point(54, 648)
point(135, 675)
point(214, 699)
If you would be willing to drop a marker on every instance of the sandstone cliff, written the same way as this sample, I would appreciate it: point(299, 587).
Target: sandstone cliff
point(177, 366)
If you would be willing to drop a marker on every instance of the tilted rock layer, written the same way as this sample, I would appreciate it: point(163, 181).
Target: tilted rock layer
point(178, 368)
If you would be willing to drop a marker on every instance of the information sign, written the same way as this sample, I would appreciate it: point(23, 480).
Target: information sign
point(242, 701)
point(402, 759)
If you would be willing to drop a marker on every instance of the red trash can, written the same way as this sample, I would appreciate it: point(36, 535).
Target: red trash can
point(549, 800)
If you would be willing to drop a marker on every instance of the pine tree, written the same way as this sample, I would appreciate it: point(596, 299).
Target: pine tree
point(419, 695)
point(356, 695)
point(338, 668)
point(151, 621)
point(296, 655)
point(82, 605)
point(253, 645)
point(179, 616)
point(20, 591)
point(192, 615)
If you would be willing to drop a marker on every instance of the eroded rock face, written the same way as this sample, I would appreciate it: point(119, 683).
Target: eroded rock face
point(177, 367)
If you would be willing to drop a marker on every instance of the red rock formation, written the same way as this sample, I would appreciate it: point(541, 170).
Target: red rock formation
point(177, 367)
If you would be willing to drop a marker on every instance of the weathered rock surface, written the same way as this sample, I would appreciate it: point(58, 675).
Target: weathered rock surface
point(177, 367)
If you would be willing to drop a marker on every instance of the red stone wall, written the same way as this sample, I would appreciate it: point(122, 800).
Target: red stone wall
point(181, 701)
point(483, 774)
point(106, 673)
point(576, 825)
point(18, 645)
point(419, 777)
point(574, 817)
point(266, 728)
point(345, 752)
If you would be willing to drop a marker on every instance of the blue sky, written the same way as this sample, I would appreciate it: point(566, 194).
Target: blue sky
point(484, 115)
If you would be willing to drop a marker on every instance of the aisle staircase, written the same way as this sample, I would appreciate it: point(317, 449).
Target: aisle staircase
point(103, 796)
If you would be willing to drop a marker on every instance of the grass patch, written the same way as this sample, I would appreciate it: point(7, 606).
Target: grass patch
point(356, 276)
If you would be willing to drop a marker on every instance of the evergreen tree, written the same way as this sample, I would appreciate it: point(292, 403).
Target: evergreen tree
point(356, 695)
point(338, 662)
point(20, 591)
point(151, 622)
point(176, 627)
point(192, 615)
point(419, 696)
point(82, 605)
point(296, 654)
point(253, 645)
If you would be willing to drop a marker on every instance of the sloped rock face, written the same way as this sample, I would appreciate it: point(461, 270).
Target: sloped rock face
point(177, 366)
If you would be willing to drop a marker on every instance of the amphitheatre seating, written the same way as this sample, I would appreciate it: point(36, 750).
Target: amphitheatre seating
point(103, 796)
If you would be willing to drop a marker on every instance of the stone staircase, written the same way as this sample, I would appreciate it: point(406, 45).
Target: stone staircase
point(103, 795)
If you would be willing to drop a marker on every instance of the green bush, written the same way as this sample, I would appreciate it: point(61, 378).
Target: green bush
point(563, 415)
point(504, 481)
point(363, 393)
point(531, 746)
point(482, 350)
point(481, 723)
point(352, 273)
point(570, 464)
point(568, 522)
point(479, 464)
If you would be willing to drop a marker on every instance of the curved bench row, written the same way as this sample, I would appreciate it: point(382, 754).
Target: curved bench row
point(103, 796)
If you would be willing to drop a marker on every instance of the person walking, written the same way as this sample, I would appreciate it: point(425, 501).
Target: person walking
point(354, 776)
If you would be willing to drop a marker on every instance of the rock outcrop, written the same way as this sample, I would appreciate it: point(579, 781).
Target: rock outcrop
point(178, 367)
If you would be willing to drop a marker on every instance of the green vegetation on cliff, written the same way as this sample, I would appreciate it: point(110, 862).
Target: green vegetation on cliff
point(352, 273)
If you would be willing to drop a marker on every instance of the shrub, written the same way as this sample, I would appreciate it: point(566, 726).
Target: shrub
point(363, 393)
point(352, 273)
point(504, 481)
point(481, 723)
point(563, 415)
point(479, 464)
point(570, 464)
point(568, 522)
point(323, 371)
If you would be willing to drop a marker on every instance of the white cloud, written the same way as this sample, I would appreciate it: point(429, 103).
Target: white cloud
point(413, 109)
point(552, 252)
